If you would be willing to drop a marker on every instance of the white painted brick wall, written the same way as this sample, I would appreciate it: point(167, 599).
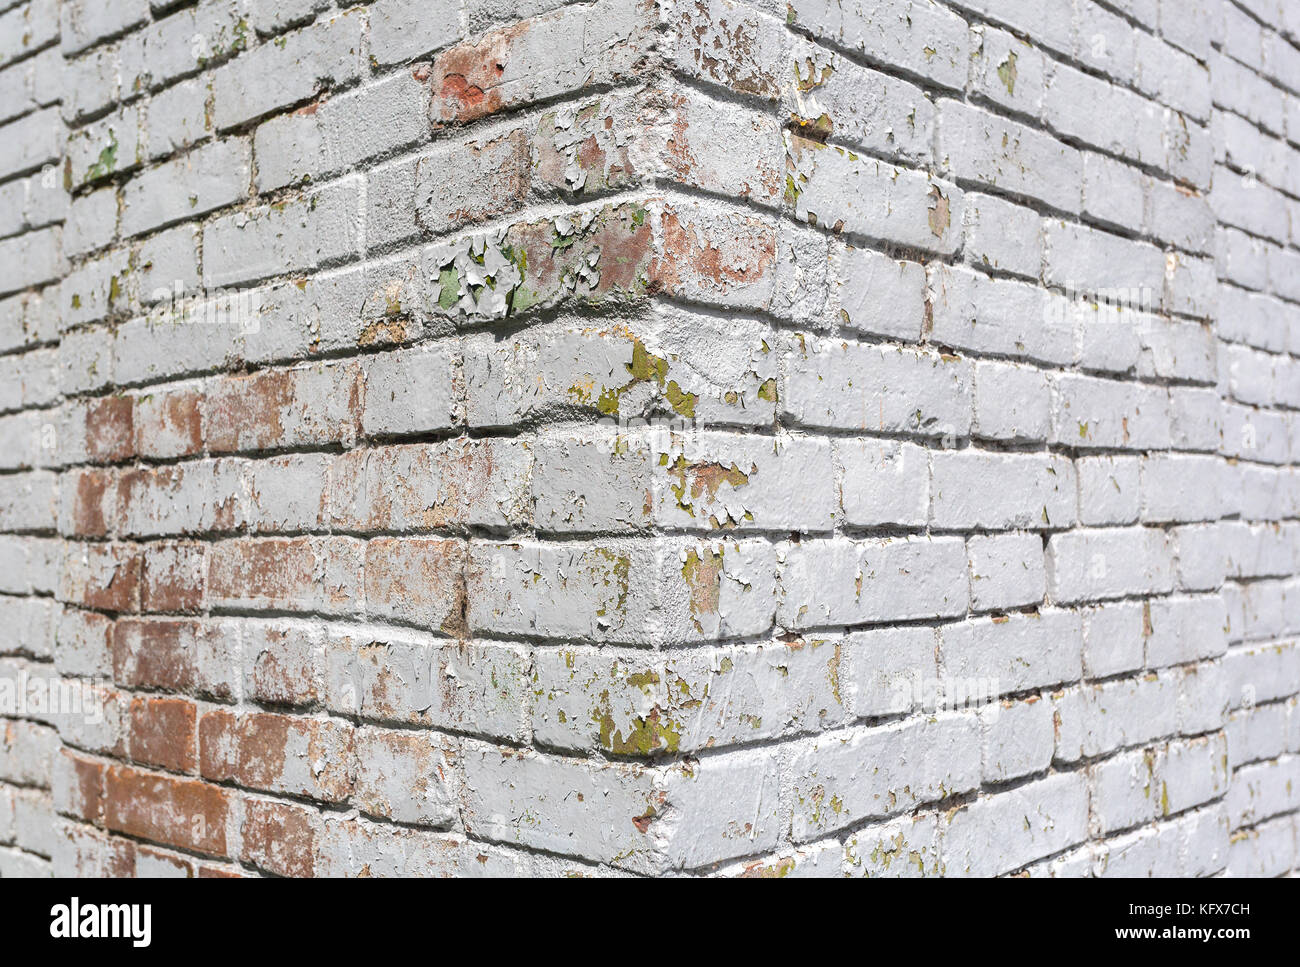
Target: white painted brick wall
point(844, 437)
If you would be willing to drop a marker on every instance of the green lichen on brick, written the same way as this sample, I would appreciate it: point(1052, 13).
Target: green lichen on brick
point(645, 736)
point(107, 160)
point(617, 573)
point(813, 79)
point(1007, 73)
point(683, 403)
point(449, 282)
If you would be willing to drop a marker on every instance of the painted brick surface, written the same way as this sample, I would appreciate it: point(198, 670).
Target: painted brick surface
point(649, 437)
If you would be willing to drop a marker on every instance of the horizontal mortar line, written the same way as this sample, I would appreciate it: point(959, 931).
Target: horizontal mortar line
point(773, 637)
point(28, 52)
point(1263, 760)
point(30, 228)
point(1253, 235)
point(1255, 822)
point(19, 848)
point(484, 535)
point(789, 430)
point(987, 787)
point(49, 406)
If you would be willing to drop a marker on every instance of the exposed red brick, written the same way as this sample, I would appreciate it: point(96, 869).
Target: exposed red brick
point(307, 757)
point(419, 580)
point(168, 424)
point(93, 503)
point(300, 573)
point(175, 812)
point(283, 671)
point(207, 872)
point(218, 745)
point(279, 408)
point(722, 258)
point(162, 733)
point(465, 77)
point(102, 576)
point(280, 837)
point(174, 577)
point(97, 853)
point(109, 429)
point(155, 654)
point(84, 793)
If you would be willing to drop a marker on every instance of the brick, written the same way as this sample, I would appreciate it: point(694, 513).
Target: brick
point(991, 836)
point(1099, 564)
point(419, 581)
point(830, 792)
point(210, 177)
point(1014, 653)
point(302, 235)
point(280, 74)
point(178, 812)
point(162, 733)
point(310, 574)
point(1010, 156)
point(280, 837)
point(278, 753)
point(929, 41)
point(854, 386)
point(611, 439)
point(272, 409)
point(1006, 571)
point(340, 132)
point(510, 66)
point(408, 777)
point(832, 186)
point(876, 580)
point(991, 490)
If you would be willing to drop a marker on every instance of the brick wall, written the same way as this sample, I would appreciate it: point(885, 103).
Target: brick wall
point(470, 437)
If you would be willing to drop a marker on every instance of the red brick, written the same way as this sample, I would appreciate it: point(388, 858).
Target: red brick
point(284, 663)
point(218, 745)
point(286, 573)
point(174, 577)
point(725, 259)
point(93, 502)
point(162, 733)
point(282, 408)
point(94, 853)
point(209, 872)
point(109, 429)
point(175, 812)
point(82, 792)
point(155, 654)
point(167, 424)
point(280, 837)
point(417, 580)
point(102, 576)
point(278, 753)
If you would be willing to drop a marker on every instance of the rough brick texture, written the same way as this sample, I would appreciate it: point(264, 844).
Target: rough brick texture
point(452, 437)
